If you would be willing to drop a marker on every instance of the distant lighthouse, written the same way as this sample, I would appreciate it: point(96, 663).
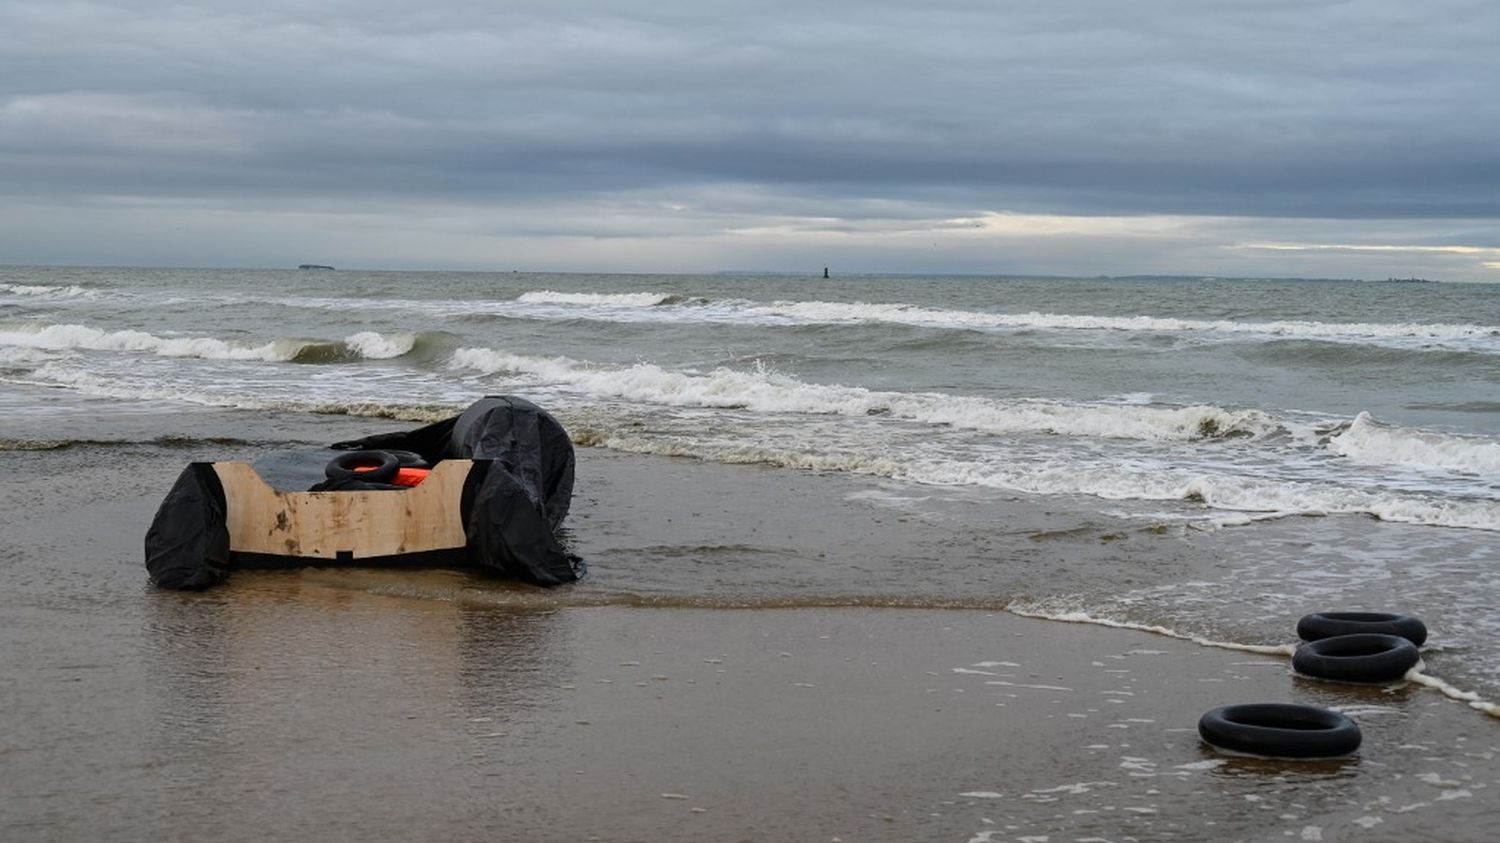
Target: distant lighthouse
point(825, 272)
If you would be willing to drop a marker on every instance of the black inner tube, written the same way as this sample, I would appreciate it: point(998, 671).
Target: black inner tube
point(1363, 657)
point(1280, 730)
point(409, 459)
point(1321, 625)
point(367, 466)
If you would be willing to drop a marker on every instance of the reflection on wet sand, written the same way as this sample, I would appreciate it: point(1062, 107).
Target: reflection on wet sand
point(281, 686)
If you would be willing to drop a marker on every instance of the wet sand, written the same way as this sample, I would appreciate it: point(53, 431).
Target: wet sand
point(344, 705)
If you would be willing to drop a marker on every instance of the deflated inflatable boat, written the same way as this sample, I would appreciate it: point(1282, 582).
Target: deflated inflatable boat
point(486, 488)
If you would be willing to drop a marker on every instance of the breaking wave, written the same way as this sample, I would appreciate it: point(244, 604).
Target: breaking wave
point(1083, 466)
point(648, 306)
point(1211, 490)
point(597, 299)
point(657, 307)
point(764, 390)
point(818, 311)
point(366, 345)
point(43, 290)
point(1369, 442)
point(103, 386)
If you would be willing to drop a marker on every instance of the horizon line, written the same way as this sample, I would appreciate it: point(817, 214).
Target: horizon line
point(778, 273)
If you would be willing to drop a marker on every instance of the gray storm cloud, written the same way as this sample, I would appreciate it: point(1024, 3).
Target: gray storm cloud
point(702, 119)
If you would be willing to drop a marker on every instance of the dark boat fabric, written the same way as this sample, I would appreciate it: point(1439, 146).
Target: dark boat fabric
point(187, 546)
point(523, 497)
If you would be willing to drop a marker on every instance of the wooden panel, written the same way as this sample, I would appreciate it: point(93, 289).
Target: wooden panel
point(361, 523)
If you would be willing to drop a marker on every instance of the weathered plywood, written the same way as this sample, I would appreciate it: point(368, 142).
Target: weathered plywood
point(362, 524)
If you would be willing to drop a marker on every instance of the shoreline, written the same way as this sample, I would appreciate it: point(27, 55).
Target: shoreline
point(1415, 676)
point(610, 723)
point(343, 704)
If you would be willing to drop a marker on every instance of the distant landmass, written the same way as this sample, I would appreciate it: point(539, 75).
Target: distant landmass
point(313, 266)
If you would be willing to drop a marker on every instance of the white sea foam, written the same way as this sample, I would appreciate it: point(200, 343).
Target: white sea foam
point(57, 374)
point(1065, 475)
point(1416, 675)
point(1034, 611)
point(662, 307)
point(764, 390)
point(594, 299)
point(819, 311)
point(20, 356)
point(68, 337)
point(373, 346)
point(42, 290)
point(1469, 698)
point(835, 312)
point(1370, 442)
point(1222, 491)
point(89, 383)
point(1084, 466)
point(658, 307)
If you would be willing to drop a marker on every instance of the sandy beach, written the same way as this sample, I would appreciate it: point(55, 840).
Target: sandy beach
point(349, 704)
point(967, 398)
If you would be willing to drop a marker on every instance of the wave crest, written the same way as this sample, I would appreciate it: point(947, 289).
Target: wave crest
point(1369, 442)
point(366, 345)
point(44, 290)
point(821, 311)
point(689, 308)
point(764, 390)
point(596, 299)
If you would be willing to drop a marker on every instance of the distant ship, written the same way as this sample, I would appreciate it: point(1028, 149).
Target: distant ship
point(313, 266)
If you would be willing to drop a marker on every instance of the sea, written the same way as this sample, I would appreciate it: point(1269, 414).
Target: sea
point(1218, 455)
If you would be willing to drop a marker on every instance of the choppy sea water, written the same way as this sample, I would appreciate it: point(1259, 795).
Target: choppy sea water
point(1321, 445)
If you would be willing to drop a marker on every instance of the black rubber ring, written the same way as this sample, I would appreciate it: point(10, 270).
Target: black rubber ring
point(342, 467)
point(1280, 730)
point(1363, 657)
point(409, 459)
point(1321, 625)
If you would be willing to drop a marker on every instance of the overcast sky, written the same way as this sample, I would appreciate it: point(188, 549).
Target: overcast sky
point(1262, 137)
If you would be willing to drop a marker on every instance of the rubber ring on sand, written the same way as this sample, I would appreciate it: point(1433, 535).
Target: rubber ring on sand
point(1280, 730)
point(1363, 657)
point(1320, 625)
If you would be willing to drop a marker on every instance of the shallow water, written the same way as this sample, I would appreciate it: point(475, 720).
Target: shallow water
point(757, 653)
point(1210, 459)
point(1301, 445)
